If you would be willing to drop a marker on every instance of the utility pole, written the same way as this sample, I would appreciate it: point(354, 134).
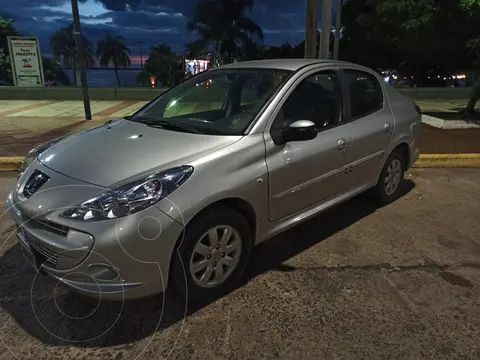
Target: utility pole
point(81, 59)
point(311, 20)
point(338, 28)
point(326, 29)
point(141, 55)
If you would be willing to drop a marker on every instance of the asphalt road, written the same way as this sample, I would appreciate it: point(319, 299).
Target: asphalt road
point(358, 282)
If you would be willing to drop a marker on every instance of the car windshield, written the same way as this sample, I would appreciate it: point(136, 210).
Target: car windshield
point(216, 102)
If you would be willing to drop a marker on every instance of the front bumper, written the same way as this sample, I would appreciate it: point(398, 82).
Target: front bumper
point(112, 259)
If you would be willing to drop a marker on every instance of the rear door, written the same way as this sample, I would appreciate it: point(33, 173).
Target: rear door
point(371, 125)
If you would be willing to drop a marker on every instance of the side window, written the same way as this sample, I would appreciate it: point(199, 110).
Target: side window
point(318, 98)
point(366, 95)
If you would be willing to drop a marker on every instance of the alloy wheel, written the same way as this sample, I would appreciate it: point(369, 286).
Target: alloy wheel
point(215, 256)
point(393, 177)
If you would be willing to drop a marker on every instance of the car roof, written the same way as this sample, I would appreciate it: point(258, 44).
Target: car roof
point(284, 64)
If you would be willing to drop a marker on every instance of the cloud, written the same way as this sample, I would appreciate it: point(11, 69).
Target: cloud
point(149, 21)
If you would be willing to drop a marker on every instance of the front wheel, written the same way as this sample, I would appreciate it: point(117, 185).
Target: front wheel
point(213, 253)
point(389, 183)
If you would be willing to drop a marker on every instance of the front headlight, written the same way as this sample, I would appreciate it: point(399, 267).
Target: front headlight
point(130, 198)
point(35, 153)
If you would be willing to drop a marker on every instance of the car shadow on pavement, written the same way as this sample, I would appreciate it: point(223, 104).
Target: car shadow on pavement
point(58, 317)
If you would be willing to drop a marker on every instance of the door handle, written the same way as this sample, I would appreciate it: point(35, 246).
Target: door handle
point(387, 127)
point(342, 144)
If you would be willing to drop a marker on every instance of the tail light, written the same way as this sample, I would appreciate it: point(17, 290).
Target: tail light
point(419, 111)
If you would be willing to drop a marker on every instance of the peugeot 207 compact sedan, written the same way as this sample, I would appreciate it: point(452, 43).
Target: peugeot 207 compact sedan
point(181, 191)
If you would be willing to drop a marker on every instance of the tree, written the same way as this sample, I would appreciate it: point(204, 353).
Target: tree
point(416, 37)
point(6, 29)
point(196, 48)
point(165, 65)
point(473, 46)
point(143, 77)
point(224, 25)
point(64, 49)
point(53, 72)
point(284, 51)
point(111, 49)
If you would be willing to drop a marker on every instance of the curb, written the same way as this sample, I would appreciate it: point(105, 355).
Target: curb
point(448, 161)
point(425, 161)
point(448, 124)
point(11, 163)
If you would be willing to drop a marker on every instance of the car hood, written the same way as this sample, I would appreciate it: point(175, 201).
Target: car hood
point(123, 150)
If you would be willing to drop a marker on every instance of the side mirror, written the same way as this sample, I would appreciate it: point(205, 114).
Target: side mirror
point(300, 130)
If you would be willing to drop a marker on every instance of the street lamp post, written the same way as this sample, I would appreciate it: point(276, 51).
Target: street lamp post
point(338, 29)
point(141, 54)
point(326, 29)
point(311, 20)
point(81, 59)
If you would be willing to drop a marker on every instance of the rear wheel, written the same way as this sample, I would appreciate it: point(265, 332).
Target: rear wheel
point(391, 177)
point(213, 253)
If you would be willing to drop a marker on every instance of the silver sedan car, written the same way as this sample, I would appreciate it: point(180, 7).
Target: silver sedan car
point(178, 193)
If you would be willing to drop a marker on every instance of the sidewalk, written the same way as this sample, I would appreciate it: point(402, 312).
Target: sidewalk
point(24, 124)
point(444, 114)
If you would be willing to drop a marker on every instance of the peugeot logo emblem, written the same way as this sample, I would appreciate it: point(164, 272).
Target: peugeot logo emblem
point(34, 182)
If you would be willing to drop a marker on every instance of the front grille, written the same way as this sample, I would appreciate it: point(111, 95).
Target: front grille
point(49, 257)
point(52, 227)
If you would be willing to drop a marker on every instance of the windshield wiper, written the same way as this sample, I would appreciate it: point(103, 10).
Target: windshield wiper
point(163, 124)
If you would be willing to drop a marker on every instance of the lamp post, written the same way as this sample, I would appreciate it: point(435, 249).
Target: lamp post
point(326, 29)
point(311, 20)
point(81, 59)
point(338, 29)
point(141, 54)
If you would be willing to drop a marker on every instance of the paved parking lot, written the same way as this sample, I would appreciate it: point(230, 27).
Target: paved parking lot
point(358, 282)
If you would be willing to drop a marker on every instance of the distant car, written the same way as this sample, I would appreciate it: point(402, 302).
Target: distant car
point(4, 83)
point(184, 188)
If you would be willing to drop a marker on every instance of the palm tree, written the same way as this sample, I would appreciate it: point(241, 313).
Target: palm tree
point(473, 46)
point(224, 25)
point(165, 65)
point(64, 49)
point(111, 49)
point(196, 48)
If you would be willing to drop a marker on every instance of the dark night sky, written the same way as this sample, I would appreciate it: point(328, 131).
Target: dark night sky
point(150, 21)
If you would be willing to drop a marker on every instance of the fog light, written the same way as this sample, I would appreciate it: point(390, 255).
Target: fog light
point(102, 272)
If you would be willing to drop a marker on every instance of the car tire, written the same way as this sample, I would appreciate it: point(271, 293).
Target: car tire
point(391, 178)
point(190, 256)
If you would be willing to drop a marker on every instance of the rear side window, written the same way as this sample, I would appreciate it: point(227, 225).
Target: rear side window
point(366, 95)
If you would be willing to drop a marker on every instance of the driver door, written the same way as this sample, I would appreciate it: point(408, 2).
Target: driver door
point(305, 173)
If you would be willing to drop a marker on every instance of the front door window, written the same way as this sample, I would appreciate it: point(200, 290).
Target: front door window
point(318, 98)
